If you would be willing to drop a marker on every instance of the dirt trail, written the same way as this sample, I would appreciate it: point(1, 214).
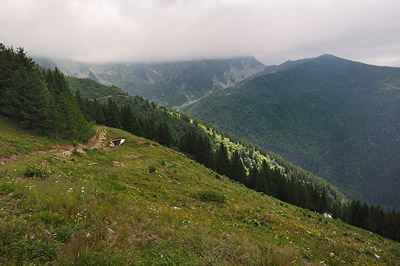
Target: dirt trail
point(96, 142)
point(93, 143)
point(101, 141)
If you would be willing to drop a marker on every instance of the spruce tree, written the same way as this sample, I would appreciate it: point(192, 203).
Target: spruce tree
point(222, 162)
point(237, 171)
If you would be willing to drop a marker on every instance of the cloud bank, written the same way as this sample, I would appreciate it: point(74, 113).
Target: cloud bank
point(172, 30)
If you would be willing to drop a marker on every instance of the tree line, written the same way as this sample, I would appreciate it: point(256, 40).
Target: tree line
point(110, 114)
point(39, 100)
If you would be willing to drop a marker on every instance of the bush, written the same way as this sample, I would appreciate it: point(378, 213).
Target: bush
point(152, 169)
point(250, 221)
point(76, 153)
point(36, 171)
point(210, 196)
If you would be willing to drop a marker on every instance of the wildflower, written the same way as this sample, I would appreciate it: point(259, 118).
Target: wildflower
point(70, 190)
point(82, 190)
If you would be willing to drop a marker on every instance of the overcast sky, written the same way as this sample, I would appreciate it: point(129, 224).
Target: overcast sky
point(169, 30)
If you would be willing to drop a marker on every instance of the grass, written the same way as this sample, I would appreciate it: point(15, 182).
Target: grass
point(104, 206)
point(14, 140)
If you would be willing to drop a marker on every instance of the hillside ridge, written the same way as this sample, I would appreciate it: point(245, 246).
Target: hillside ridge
point(146, 204)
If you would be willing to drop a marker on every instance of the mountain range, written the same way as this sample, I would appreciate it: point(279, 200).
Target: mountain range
point(173, 84)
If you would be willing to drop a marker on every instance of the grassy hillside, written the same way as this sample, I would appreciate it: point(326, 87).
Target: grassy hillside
point(143, 204)
point(336, 118)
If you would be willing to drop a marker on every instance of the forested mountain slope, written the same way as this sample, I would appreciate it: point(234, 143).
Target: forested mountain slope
point(336, 118)
point(170, 84)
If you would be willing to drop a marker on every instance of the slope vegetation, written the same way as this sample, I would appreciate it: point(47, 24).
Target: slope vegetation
point(143, 204)
point(334, 117)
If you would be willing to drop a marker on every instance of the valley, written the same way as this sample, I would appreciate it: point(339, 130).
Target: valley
point(172, 84)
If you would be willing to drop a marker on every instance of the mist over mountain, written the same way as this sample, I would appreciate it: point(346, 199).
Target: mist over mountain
point(172, 84)
point(337, 118)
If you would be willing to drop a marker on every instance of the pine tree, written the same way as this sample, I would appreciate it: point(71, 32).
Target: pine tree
point(112, 114)
point(222, 162)
point(204, 151)
point(129, 121)
point(262, 178)
point(252, 177)
point(163, 135)
point(237, 171)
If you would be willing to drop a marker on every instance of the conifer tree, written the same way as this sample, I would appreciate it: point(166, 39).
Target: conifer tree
point(237, 171)
point(128, 120)
point(252, 177)
point(262, 178)
point(112, 114)
point(222, 162)
point(163, 135)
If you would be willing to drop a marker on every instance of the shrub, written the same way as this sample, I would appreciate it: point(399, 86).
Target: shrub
point(251, 221)
point(210, 196)
point(36, 171)
point(76, 153)
point(152, 169)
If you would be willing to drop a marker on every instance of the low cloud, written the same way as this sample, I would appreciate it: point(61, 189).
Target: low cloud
point(171, 30)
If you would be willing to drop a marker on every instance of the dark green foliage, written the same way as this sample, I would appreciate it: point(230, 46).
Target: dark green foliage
point(41, 102)
point(36, 171)
point(210, 196)
point(67, 119)
point(236, 170)
point(372, 218)
point(152, 169)
point(112, 115)
point(163, 135)
point(129, 122)
point(222, 163)
point(198, 146)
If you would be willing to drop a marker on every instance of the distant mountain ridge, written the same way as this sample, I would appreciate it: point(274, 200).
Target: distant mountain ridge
point(173, 84)
point(337, 118)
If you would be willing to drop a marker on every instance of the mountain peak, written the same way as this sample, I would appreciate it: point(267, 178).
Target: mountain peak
point(327, 56)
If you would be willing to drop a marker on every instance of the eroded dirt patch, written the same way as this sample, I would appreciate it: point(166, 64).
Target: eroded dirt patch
point(148, 144)
point(116, 163)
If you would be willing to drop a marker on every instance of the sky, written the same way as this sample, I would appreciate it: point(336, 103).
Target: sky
point(273, 31)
